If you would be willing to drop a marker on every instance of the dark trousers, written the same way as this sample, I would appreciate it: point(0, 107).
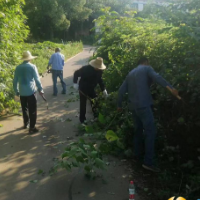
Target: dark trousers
point(145, 132)
point(83, 103)
point(55, 75)
point(29, 109)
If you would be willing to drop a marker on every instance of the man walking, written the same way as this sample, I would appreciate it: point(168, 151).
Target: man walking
point(57, 61)
point(90, 75)
point(137, 85)
point(25, 78)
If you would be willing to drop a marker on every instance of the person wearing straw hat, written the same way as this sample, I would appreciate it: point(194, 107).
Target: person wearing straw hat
point(26, 79)
point(90, 75)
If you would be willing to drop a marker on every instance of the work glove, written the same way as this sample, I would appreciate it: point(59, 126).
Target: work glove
point(76, 86)
point(105, 94)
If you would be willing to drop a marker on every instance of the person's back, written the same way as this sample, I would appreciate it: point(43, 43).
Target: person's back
point(26, 75)
point(26, 78)
point(57, 61)
point(139, 82)
point(89, 77)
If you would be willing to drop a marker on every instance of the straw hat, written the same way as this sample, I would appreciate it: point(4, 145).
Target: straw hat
point(27, 56)
point(98, 63)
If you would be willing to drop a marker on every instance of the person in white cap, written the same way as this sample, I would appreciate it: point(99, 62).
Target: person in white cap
point(90, 75)
point(25, 78)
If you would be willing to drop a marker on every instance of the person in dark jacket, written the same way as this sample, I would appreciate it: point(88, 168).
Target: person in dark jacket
point(137, 85)
point(90, 75)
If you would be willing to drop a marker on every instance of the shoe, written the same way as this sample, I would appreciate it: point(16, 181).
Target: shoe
point(63, 92)
point(84, 123)
point(151, 168)
point(55, 95)
point(26, 126)
point(33, 130)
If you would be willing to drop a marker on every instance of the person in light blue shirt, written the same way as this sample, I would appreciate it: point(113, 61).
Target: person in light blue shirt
point(57, 63)
point(137, 85)
point(26, 79)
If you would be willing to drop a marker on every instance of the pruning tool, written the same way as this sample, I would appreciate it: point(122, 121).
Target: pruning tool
point(42, 95)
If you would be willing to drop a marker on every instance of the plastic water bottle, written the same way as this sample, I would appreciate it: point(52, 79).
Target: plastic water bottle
point(131, 191)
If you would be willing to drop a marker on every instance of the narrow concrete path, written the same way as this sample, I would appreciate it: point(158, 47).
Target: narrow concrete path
point(22, 155)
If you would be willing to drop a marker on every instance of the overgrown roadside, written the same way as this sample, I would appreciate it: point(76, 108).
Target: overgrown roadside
point(22, 156)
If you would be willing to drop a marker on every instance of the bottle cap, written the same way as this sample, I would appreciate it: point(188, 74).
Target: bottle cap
point(131, 182)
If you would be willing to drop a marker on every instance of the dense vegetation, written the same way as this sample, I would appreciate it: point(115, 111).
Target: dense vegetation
point(67, 20)
point(13, 31)
point(169, 37)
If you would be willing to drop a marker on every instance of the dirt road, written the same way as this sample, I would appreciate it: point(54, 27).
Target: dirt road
point(22, 155)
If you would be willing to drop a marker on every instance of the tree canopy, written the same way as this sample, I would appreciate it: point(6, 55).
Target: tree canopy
point(48, 19)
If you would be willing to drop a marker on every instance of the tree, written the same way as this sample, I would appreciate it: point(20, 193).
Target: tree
point(48, 19)
point(13, 32)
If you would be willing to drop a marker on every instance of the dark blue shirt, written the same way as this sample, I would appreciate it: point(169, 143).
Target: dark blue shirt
point(137, 85)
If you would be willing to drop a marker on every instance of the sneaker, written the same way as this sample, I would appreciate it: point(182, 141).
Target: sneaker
point(84, 123)
point(33, 130)
point(55, 95)
point(26, 126)
point(151, 168)
point(63, 92)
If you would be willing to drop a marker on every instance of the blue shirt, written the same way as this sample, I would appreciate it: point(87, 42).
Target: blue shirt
point(26, 79)
point(57, 61)
point(137, 85)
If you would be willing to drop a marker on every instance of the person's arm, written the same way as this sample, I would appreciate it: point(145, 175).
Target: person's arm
point(101, 83)
point(15, 83)
point(50, 61)
point(102, 86)
point(37, 79)
point(161, 81)
point(63, 60)
point(77, 74)
point(122, 91)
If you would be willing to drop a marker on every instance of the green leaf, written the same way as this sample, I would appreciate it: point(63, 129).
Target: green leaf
point(33, 181)
point(64, 155)
point(101, 119)
point(111, 136)
point(94, 154)
point(99, 163)
point(1, 125)
point(120, 144)
point(40, 171)
point(89, 129)
point(80, 159)
point(87, 168)
point(75, 164)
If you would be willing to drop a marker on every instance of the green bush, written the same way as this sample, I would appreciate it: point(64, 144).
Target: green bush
point(13, 31)
point(174, 51)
